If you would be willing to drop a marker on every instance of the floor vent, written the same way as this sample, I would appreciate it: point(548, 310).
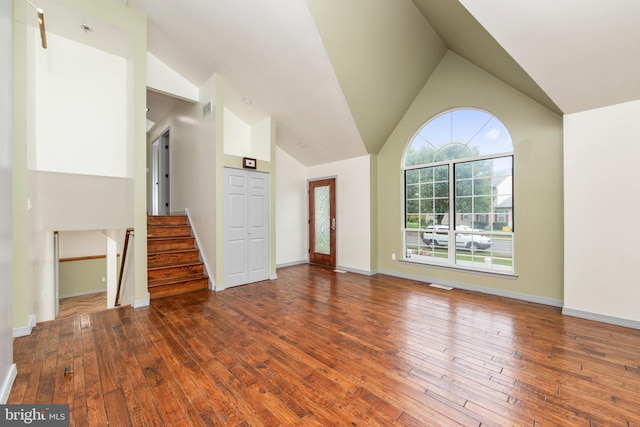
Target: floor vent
point(435, 285)
point(339, 271)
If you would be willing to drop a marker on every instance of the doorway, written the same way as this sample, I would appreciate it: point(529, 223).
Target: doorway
point(160, 183)
point(322, 222)
point(85, 271)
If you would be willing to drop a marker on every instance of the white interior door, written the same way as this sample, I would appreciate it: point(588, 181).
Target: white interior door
point(246, 220)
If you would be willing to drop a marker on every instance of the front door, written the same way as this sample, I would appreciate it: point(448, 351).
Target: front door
point(322, 222)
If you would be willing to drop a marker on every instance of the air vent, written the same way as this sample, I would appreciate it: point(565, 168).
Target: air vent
point(206, 110)
point(436, 285)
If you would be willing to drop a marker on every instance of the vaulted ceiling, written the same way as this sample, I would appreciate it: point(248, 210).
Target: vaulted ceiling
point(338, 75)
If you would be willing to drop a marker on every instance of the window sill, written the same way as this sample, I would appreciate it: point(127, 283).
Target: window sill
point(492, 273)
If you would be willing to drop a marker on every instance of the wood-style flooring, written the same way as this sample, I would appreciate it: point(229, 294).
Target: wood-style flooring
point(83, 304)
point(320, 348)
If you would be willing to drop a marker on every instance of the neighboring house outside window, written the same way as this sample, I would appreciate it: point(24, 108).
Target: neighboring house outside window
point(458, 193)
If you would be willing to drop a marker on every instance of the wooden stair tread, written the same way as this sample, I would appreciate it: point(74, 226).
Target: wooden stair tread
point(175, 280)
point(170, 251)
point(169, 291)
point(167, 227)
point(167, 238)
point(164, 218)
point(161, 266)
point(173, 260)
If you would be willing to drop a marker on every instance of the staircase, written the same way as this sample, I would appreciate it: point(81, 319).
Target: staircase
point(174, 265)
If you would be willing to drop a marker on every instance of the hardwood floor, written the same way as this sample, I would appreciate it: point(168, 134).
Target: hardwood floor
point(319, 348)
point(83, 304)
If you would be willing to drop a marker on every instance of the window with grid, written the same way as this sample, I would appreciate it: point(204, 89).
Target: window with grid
point(458, 193)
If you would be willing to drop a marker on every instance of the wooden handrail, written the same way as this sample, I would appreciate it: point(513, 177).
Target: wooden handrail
point(84, 258)
point(124, 258)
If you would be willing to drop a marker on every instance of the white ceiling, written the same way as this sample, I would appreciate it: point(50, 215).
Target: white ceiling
point(570, 56)
point(268, 52)
point(584, 54)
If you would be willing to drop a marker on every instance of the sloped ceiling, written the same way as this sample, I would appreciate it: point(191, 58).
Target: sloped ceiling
point(383, 53)
point(337, 75)
point(271, 56)
point(583, 54)
point(465, 36)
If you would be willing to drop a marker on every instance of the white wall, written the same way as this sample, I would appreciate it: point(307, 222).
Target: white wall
point(72, 202)
point(243, 140)
point(192, 165)
point(261, 140)
point(80, 109)
point(7, 368)
point(64, 201)
point(75, 244)
point(161, 78)
point(292, 238)
point(353, 213)
point(80, 152)
point(601, 202)
point(237, 135)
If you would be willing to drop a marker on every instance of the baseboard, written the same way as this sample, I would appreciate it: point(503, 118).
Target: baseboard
point(349, 269)
point(601, 318)
point(219, 287)
point(291, 264)
point(205, 261)
point(7, 384)
point(497, 292)
point(79, 294)
point(139, 303)
point(231, 286)
point(23, 331)
point(357, 271)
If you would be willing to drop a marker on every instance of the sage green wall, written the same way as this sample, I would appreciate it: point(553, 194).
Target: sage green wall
point(536, 132)
point(373, 185)
point(20, 250)
point(82, 276)
point(371, 43)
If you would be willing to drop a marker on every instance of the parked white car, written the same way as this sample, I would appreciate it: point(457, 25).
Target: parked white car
point(469, 241)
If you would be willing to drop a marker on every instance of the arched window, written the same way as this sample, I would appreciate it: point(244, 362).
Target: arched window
point(458, 192)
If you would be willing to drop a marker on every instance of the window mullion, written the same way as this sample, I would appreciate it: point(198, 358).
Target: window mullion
point(464, 218)
point(452, 214)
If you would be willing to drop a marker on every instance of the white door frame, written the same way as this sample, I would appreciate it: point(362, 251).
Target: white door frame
point(160, 179)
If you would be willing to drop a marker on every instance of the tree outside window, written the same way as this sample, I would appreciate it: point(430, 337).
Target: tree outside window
point(458, 174)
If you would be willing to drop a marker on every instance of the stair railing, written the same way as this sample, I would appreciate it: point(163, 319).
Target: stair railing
point(124, 259)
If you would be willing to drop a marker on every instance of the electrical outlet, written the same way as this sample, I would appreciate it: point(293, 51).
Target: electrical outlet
point(393, 257)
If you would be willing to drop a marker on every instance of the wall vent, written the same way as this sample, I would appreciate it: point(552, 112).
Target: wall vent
point(206, 110)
